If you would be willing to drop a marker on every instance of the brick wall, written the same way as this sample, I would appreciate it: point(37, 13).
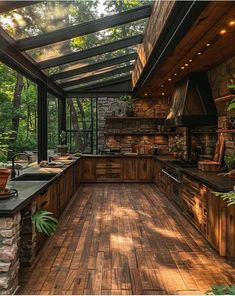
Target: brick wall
point(108, 107)
point(219, 77)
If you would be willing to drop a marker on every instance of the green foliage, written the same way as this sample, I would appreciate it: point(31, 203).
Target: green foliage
point(231, 105)
point(228, 197)
point(221, 290)
point(176, 144)
point(4, 145)
point(230, 162)
point(128, 99)
point(44, 222)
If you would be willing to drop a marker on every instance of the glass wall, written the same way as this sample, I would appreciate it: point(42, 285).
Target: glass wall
point(53, 122)
point(18, 114)
point(81, 124)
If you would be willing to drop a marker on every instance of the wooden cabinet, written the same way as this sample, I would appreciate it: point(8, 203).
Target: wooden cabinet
point(88, 169)
point(129, 169)
point(117, 169)
point(157, 172)
point(55, 198)
point(194, 202)
point(216, 222)
point(108, 169)
point(144, 170)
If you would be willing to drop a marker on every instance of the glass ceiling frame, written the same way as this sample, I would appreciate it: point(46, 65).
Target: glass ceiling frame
point(13, 51)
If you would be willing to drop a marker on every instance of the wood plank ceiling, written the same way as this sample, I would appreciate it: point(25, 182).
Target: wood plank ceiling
point(210, 41)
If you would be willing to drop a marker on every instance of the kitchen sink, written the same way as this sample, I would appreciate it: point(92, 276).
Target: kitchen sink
point(35, 177)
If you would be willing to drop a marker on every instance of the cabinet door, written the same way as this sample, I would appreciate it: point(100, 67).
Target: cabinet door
point(145, 170)
point(129, 169)
point(216, 223)
point(157, 172)
point(230, 230)
point(88, 169)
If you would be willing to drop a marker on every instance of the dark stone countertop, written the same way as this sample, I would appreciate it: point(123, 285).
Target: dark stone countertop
point(28, 190)
point(216, 181)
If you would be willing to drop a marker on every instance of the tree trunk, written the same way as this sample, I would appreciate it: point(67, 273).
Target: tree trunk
point(16, 105)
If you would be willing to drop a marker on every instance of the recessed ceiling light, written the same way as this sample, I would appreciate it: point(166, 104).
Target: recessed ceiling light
point(208, 44)
point(175, 74)
point(231, 23)
point(199, 53)
point(222, 32)
point(169, 79)
point(162, 85)
point(182, 68)
point(145, 94)
point(186, 65)
point(190, 61)
point(163, 94)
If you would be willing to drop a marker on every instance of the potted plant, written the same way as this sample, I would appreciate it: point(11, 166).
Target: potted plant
point(63, 147)
point(176, 146)
point(129, 104)
point(230, 164)
point(4, 171)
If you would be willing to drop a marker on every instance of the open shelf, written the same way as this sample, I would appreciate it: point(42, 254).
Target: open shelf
point(140, 133)
point(229, 131)
point(119, 118)
point(226, 98)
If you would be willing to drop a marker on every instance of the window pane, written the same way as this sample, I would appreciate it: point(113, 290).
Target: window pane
point(88, 41)
point(92, 60)
point(18, 114)
point(96, 72)
point(81, 124)
point(53, 122)
point(49, 16)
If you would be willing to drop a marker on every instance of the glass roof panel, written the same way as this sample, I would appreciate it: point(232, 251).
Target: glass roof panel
point(96, 72)
point(71, 88)
point(92, 60)
point(48, 16)
point(88, 41)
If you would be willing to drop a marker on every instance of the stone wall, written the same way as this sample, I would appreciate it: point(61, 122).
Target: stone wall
point(9, 254)
point(219, 77)
point(109, 131)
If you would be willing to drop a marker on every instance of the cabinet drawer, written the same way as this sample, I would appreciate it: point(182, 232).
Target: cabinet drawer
point(108, 174)
point(108, 163)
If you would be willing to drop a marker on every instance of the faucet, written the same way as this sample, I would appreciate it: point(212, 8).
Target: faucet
point(13, 172)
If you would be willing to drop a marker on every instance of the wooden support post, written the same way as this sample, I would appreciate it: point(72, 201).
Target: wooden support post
point(42, 122)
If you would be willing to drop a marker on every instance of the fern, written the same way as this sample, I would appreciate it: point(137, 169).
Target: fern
point(228, 197)
point(44, 222)
point(221, 290)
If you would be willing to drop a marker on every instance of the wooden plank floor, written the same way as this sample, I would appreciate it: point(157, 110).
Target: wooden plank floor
point(126, 239)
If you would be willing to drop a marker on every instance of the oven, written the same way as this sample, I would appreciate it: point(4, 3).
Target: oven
point(175, 184)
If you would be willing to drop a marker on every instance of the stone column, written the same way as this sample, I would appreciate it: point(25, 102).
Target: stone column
point(9, 253)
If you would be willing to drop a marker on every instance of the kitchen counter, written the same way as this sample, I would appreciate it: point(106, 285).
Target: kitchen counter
point(116, 156)
point(28, 190)
point(211, 179)
point(214, 180)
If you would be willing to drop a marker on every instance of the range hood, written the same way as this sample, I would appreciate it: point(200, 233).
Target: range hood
point(192, 102)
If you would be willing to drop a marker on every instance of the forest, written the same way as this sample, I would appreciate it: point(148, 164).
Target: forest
point(18, 94)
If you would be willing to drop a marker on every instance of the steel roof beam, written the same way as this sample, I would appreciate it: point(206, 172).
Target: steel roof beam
point(91, 78)
point(101, 84)
point(84, 28)
point(6, 6)
point(87, 53)
point(95, 66)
